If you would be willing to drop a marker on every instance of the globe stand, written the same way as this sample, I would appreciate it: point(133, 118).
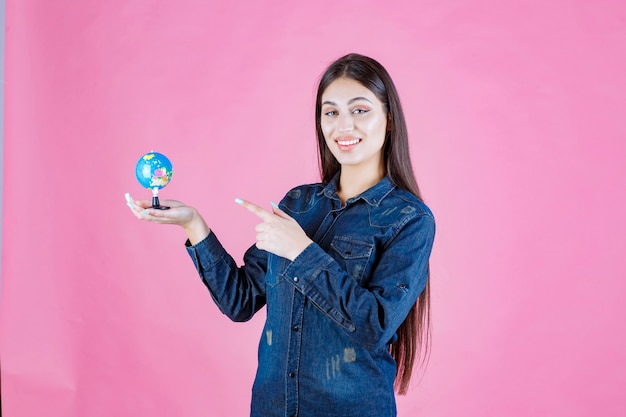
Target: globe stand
point(155, 200)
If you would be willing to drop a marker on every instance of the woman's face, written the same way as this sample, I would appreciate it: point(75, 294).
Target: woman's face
point(354, 123)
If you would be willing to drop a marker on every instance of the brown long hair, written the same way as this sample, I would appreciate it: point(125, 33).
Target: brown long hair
point(414, 333)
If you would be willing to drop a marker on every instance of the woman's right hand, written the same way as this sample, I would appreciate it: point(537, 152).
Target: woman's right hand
point(179, 214)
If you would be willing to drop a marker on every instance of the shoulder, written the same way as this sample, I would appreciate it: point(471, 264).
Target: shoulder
point(303, 197)
point(407, 202)
point(414, 220)
point(402, 210)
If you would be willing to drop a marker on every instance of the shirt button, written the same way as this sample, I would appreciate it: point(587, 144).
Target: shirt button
point(292, 375)
point(296, 279)
point(295, 328)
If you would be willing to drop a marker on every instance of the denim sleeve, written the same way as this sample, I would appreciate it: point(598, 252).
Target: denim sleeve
point(238, 292)
point(372, 314)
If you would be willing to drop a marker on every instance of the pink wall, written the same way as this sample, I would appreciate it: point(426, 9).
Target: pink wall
point(516, 115)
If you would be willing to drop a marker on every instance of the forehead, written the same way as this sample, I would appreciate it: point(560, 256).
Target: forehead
point(343, 90)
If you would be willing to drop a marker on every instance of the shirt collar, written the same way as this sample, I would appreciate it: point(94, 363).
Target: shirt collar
point(372, 196)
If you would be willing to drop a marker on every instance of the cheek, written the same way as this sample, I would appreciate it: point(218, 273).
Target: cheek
point(377, 126)
point(329, 143)
point(326, 131)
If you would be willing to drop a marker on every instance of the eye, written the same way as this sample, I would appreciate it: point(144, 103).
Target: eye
point(359, 111)
point(330, 113)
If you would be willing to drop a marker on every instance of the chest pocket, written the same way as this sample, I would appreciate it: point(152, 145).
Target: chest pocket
point(353, 255)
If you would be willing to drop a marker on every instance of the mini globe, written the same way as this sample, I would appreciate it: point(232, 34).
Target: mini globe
point(153, 171)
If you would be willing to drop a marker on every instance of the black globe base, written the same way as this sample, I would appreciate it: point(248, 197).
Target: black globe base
point(156, 205)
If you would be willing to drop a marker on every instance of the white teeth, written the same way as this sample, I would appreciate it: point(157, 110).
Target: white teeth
point(348, 142)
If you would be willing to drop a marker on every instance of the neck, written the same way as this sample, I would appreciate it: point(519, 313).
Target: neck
point(353, 182)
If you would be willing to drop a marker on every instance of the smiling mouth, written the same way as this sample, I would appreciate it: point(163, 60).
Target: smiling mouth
point(346, 142)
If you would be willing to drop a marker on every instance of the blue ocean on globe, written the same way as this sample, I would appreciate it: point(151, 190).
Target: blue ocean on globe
point(154, 170)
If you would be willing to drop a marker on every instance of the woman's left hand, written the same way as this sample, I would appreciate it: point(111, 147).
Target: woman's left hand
point(279, 233)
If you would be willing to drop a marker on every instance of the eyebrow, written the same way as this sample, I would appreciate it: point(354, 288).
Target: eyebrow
point(332, 103)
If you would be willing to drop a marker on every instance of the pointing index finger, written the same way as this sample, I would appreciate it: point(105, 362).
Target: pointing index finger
point(259, 211)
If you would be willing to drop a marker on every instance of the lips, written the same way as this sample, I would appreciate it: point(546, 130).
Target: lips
point(348, 142)
point(345, 144)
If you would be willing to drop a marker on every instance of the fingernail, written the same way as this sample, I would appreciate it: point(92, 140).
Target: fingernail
point(145, 212)
point(274, 204)
point(127, 195)
point(238, 200)
point(130, 205)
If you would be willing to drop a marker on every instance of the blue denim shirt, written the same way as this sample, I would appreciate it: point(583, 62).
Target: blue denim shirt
point(334, 310)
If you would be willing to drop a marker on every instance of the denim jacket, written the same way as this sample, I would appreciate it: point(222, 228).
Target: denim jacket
point(333, 312)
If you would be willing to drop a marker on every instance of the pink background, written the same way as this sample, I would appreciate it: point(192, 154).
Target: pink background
point(516, 116)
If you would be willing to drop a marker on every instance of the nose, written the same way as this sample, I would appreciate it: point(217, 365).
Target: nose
point(345, 123)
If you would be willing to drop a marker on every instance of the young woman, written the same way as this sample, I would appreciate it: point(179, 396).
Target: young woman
point(342, 265)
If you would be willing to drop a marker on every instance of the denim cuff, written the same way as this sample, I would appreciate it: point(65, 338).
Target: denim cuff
point(307, 266)
point(205, 253)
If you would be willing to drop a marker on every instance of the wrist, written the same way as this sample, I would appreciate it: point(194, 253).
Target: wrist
point(305, 244)
point(196, 228)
